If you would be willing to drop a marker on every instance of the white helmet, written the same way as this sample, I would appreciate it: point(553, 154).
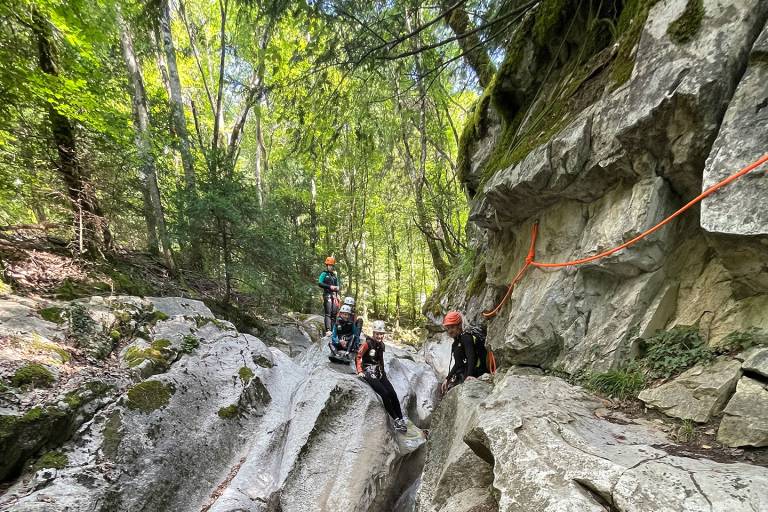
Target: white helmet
point(345, 309)
point(349, 301)
point(378, 326)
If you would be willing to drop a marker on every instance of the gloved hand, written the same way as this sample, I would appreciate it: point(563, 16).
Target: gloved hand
point(361, 374)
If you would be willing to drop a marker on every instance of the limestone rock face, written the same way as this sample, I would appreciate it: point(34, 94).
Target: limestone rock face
point(687, 115)
point(739, 208)
point(697, 394)
point(550, 452)
point(745, 418)
point(232, 424)
point(757, 362)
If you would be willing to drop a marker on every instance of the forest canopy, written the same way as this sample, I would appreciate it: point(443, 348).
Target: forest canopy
point(243, 141)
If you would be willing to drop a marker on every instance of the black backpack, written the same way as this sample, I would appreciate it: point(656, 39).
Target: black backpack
point(479, 333)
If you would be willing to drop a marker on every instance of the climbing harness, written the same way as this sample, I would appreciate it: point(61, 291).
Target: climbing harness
point(530, 262)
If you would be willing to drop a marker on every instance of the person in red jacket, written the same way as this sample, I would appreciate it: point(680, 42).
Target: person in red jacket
point(370, 367)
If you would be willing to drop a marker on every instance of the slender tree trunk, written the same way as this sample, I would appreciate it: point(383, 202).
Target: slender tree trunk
point(313, 233)
point(147, 168)
point(398, 269)
point(474, 51)
point(90, 226)
point(179, 123)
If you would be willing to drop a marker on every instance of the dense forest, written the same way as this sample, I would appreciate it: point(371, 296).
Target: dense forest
point(243, 141)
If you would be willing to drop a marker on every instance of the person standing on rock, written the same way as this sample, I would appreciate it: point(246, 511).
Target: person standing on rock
point(330, 283)
point(370, 367)
point(462, 352)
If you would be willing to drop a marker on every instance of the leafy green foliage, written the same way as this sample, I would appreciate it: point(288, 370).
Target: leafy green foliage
point(738, 341)
point(189, 343)
point(671, 352)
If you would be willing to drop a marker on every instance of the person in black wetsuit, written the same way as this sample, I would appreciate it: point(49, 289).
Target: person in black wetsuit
point(370, 367)
point(330, 283)
point(462, 352)
point(345, 335)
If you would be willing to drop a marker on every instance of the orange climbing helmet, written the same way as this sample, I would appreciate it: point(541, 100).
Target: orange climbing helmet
point(330, 260)
point(452, 318)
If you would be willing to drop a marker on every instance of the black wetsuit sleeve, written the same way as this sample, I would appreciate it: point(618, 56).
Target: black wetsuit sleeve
point(468, 343)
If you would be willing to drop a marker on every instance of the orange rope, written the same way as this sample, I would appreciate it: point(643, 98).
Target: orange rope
point(529, 261)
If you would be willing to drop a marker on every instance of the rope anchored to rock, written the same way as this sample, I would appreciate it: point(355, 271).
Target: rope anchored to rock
point(530, 262)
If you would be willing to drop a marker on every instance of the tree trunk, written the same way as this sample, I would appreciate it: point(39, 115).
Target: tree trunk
point(472, 48)
point(147, 168)
point(90, 226)
point(179, 123)
point(398, 269)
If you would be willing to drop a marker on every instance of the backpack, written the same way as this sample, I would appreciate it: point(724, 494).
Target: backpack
point(485, 360)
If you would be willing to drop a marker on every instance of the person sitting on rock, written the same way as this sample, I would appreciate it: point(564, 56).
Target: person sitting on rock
point(370, 367)
point(345, 335)
point(330, 284)
point(462, 352)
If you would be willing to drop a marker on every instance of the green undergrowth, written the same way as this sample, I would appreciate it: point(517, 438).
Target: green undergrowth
point(685, 28)
point(52, 314)
point(149, 395)
point(663, 356)
point(622, 383)
point(189, 343)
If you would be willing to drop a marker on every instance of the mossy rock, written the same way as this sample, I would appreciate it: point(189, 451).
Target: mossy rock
point(246, 374)
point(32, 375)
point(685, 28)
point(70, 289)
point(229, 412)
point(21, 436)
point(87, 393)
point(262, 361)
point(149, 396)
point(125, 283)
point(113, 435)
point(159, 353)
point(52, 314)
point(52, 459)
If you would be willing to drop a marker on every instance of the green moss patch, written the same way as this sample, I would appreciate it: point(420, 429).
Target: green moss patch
point(51, 460)
point(32, 375)
point(246, 374)
point(88, 392)
point(623, 383)
point(149, 395)
point(45, 346)
point(52, 314)
point(685, 28)
point(229, 412)
point(159, 353)
point(5, 288)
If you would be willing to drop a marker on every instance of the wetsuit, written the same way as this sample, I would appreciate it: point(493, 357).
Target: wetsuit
point(464, 359)
point(330, 306)
point(345, 329)
point(370, 360)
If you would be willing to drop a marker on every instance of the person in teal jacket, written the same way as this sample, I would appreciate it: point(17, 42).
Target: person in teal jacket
point(330, 283)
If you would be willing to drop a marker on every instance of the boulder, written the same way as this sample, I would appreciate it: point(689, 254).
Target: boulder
point(455, 479)
point(757, 362)
point(698, 393)
point(550, 451)
point(231, 424)
point(745, 418)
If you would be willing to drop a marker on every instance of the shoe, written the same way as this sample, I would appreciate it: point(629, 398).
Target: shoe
point(400, 425)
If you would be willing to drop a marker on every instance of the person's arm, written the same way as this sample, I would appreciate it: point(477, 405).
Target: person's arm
point(359, 357)
point(468, 342)
point(334, 336)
